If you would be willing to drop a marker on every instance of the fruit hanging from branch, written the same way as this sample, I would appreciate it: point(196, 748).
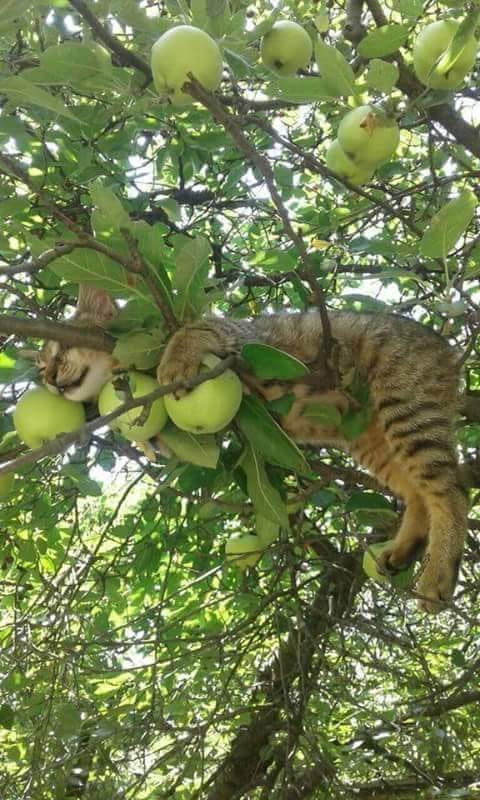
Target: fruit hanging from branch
point(286, 48)
point(180, 51)
point(131, 425)
point(40, 416)
point(210, 406)
point(437, 64)
point(368, 135)
point(338, 161)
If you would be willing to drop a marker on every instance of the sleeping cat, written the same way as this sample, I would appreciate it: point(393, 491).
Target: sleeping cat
point(409, 445)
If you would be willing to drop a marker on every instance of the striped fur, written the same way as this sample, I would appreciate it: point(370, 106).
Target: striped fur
point(409, 445)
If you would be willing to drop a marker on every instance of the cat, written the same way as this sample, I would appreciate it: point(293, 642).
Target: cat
point(79, 373)
point(409, 444)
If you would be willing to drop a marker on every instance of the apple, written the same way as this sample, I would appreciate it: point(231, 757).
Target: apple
point(403, 579)
point(6, 484)
point(41, 415)
point(244, 550)
point(286, 48)
point(178, 52)
point(127, 424)
point(338, 161)
point(209, 407)
point(368, 135)
point(429, 46)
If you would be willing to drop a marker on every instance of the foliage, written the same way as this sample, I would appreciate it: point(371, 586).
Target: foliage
point(135, 663)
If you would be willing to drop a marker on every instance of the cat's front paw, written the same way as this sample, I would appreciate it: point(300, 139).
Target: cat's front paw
point(181, 360)
point(177, 369)
point(436, 583)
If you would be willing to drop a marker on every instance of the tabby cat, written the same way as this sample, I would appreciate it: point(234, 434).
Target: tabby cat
point(409, 445)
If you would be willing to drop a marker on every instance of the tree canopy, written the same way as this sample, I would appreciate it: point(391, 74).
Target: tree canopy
point(136, 661)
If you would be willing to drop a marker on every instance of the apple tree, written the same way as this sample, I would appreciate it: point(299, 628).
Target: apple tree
point(188, 617)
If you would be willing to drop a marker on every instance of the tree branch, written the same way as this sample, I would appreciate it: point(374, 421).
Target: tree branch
point(233, 127)
point(125, 57)
point(246, 764)
point(32, 265)
point(64, 332)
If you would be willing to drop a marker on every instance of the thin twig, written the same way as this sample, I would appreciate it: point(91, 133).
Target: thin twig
point(233, 126)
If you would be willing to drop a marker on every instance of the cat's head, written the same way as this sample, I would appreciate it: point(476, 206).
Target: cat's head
point(79, 373)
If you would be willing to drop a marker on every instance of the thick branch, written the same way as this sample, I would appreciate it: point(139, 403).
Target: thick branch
point(354, 30)
point(408, 787)
point(64, 332)
point(125, 57)
point(249, 757)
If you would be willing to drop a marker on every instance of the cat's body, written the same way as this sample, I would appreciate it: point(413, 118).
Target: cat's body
point(409, 445)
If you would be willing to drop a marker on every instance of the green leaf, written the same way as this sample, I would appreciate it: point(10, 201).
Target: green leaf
point(382, 75)
point(334, 69)
point(267, 529)
point(79, 476)
point(448, 224)
point(384, 40)
point(151, 244)
point(88, 266)
point(77, 63)
point(411, 9)
point(25, 93)
point(66, 721)
point(13, 10)
point(323, 414)
point(460, 41)
point(113, 214)
point(265, 498)
point(7, 716)
point(268, 362)
point(281, 405)
point(27, 552)
point(135, 314)
point(371, 501)
point(305, 89)
point(201, 450)
point(192, 261)
point(356, 422)
point(139, 349)
point(267, 437)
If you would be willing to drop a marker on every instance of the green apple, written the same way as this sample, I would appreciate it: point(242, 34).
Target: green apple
point(244, 550)
point(368, 135)
point(41, 415)
point(428, 48)
point(178, 52)
point(127, 424)
point(402, 579)
point(210, 406)
point(6, 484)
point(286, 48)
point(338, 161)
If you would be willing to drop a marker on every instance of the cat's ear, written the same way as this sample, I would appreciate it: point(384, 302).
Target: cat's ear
point(94, 305)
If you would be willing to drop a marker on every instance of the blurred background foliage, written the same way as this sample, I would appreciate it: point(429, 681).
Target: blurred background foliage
point(134, 663)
